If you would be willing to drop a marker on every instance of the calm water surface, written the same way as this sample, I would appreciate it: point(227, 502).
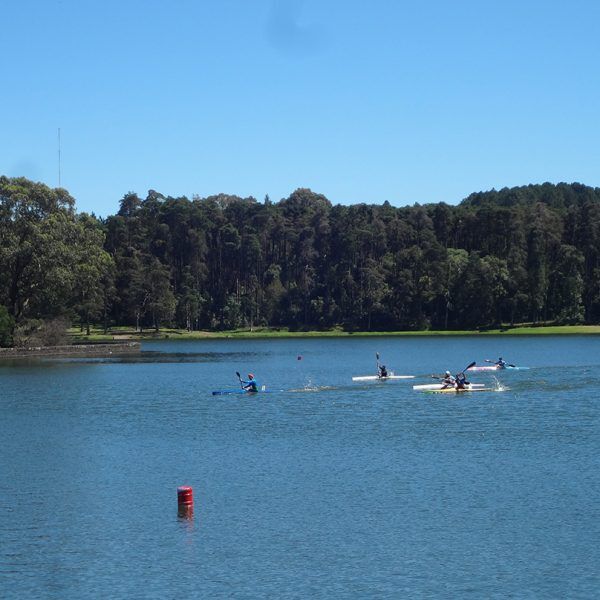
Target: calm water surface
point(327, 488)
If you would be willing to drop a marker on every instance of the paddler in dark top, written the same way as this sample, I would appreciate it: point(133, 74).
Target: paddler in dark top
point(501, 363)
point(461, 381)
point(382, 371)
point(251, 385)
point(448, 380)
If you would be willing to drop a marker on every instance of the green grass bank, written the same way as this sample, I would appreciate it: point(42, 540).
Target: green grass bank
point(124, 333)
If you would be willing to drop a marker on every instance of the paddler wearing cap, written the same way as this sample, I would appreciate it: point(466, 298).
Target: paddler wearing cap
point(251, 385)
point(448, 380)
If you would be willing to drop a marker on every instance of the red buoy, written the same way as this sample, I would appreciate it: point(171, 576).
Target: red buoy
point(185, 496)
point(185, 502)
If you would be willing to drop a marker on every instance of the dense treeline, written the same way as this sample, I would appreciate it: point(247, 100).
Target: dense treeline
point(526, 254)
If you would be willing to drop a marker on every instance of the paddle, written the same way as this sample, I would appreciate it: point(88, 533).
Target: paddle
point(240, 378)
point(380, 373)
point(469, 366)
point(465, 369)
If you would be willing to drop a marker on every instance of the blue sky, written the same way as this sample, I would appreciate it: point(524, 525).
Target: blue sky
point(361, 101)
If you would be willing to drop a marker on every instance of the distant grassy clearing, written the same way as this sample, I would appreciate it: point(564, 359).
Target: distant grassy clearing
point(123, 333)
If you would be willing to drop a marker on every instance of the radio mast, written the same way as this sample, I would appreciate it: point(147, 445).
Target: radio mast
point(59, 157)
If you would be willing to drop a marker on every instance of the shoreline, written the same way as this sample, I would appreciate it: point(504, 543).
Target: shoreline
point(97, 350)
point(124, 335)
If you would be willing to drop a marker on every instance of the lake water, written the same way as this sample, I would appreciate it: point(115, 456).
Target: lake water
point(328, 489)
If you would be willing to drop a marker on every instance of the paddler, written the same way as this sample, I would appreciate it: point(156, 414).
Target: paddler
point(448, 380)
point(460, 381)
point(382, 371)
point(251, 385)
point(501, 364)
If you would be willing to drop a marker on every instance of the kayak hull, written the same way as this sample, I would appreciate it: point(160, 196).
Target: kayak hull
point(455, 391)
point(377, 378)
point(229, 392)
point(438, 386)
point(496, 368)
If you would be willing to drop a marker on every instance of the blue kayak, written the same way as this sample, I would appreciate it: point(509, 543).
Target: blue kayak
point(226, 392)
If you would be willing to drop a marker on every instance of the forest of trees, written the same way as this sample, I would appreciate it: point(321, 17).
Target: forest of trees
point(526, 254)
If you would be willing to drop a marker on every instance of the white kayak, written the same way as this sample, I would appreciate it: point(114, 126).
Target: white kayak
point(438, 386)
point(377, 378)
point(497, 368)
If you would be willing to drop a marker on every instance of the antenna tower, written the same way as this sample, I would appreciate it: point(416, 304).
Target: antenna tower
point(59, 157)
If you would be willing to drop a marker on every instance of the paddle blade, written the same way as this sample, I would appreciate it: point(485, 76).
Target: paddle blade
point(471, 365)
point(238, 374)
